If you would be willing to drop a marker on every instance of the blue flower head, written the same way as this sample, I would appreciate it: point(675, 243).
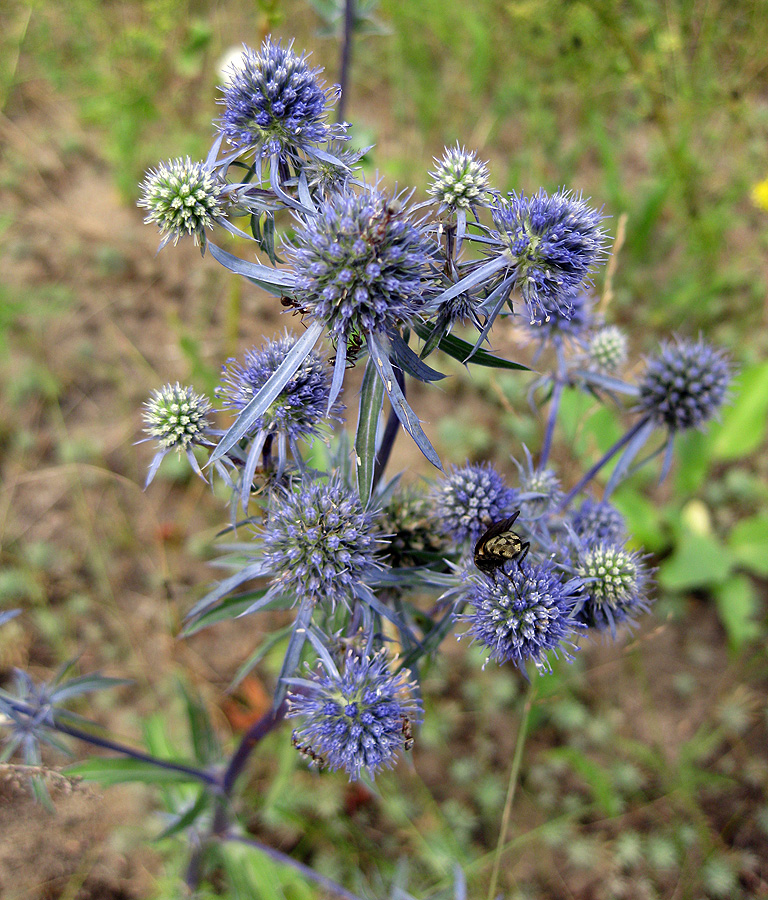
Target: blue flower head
point(361, 265)
point(598, 520)
point(299, 408)
point(358, 719)
point(685, 384)
point(525, 612)
point(319, 541)
point(183, 198)
point(552, 242)
point(274, 101)
point(469, 498)
point(572, 320)
point(615, 584)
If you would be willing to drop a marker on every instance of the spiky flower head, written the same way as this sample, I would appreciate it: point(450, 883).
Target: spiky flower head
point(460, 179)
point(408, 522)
point(183, 197)
point(319, 541)
point(176, 417)
point(358, 719)
point(539, 481)
point(524, 613)
point(607, 349)
point(615, 584)
point(469, 498)
point(573, 320)
point(598, 520)
point(361, 265)
point(685, 384)
point(324, 176)
point(299, 408)
point(274, 101)
point(552, 242)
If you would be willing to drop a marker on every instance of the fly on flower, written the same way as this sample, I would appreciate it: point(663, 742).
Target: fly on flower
point(500, 544)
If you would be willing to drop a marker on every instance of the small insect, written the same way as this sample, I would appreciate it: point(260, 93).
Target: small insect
point(315, 759)
point(500, 544)
point(407, 734)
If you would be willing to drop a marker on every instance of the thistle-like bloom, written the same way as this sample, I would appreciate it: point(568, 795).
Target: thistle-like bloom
point(598, 520)
point(615, 584)
point(358, 719)
point(469, 498)
point(552, 242)
point(319, 541)
point(325, 177)
point(606, 350)
point(177, 419)
point(460, 180)
point(273, 100)
point(685, 384)
point(360, 264)
point(524, 612)
point(183, 198)
point(534, 480)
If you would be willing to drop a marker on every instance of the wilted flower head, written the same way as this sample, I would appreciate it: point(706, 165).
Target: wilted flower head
point(273, 100)
point(319, 541)
point(685, 384)
point(616, 581)
point(360, 263)
point(552, 242)
point(607, 349)
point(460, 179)
point(299, 408)
point(469, 498)
point(183, 198)
point(524, 612)
point(598, 520)
point(358, 719)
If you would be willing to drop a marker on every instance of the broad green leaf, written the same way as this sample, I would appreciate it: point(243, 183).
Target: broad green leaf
point(692, 455)
point(744, 422)
point(749, 542)
point(737, 608)
point(119, 771)
point(698, 560)
point(645, 520)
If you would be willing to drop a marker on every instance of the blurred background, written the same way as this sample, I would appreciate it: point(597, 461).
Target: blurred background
point(645, 775)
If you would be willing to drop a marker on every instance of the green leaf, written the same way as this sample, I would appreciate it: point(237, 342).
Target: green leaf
point(645, 520)
point(692, 454)
point(698, 560)
point(120, 771)
point(459, 349)
point(371, 402)
point(597, 778)
point(259, 653)
point(202, 735)
point(737, 608)
point(180, 822)
point(744, 423)
point(749, 543)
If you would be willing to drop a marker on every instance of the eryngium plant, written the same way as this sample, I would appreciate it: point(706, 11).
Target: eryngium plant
point(371, 577)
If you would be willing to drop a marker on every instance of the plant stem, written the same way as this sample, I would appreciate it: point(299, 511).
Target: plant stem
point(388, 439)
point(513, 779)
point(255, 733)
point(606, 457)
point(554, 407)
point(346, 56)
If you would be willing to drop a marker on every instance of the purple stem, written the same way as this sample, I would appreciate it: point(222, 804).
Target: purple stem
point(346, 56)
point(255, 733)
point(554, 407)
point(330, 886)
point(606, 457)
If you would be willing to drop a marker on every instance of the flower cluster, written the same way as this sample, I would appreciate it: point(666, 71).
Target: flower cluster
point(183, 198)
point(469, 499)
point(684, 384)
point(274, 101)
point(460, 179)
point(598, 520)
point(615, 584)
point(319, 542)
point(361, 265)
point(552, 242)
point(525, 612)
point(607, 349)
point(357, 719)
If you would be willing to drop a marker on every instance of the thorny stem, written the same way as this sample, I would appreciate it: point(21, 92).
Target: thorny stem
point(346, 56)
point(122, 749)
point(388, 439)
point(514, 773)
point(606, 457)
